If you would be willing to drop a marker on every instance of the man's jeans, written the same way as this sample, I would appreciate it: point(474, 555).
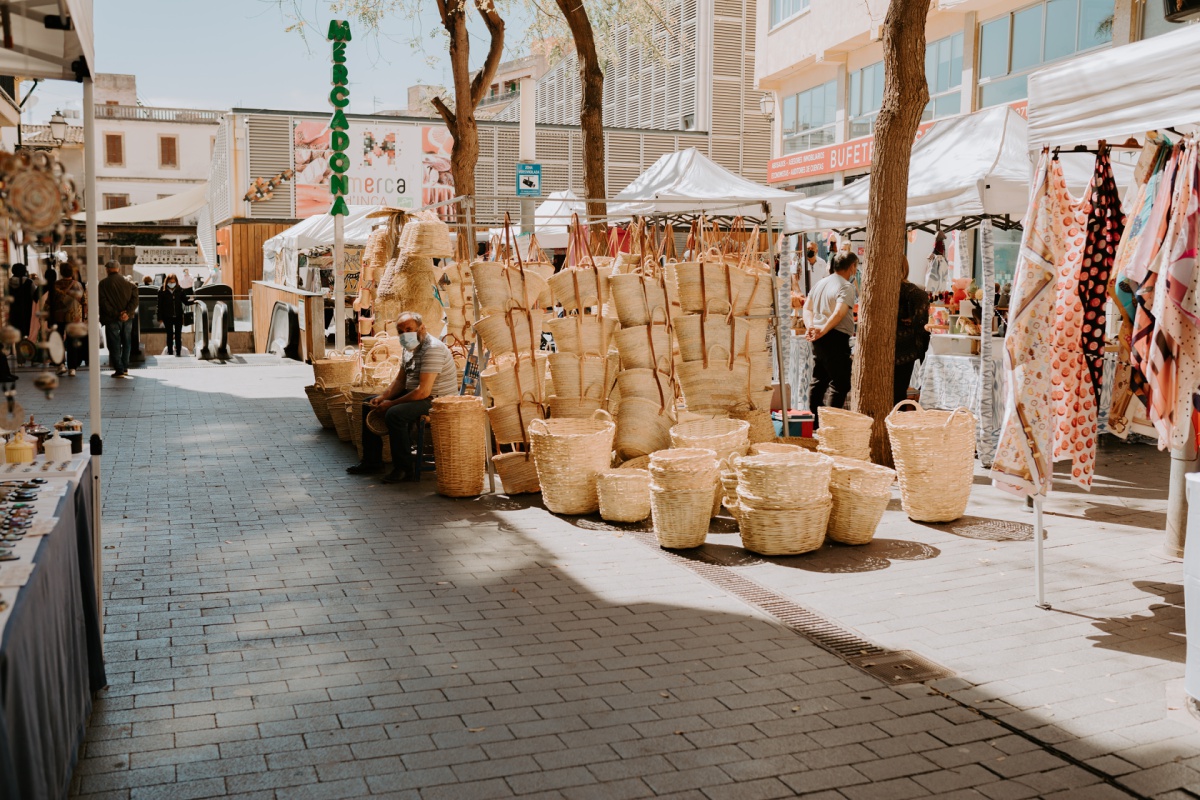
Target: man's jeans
point(398, 418)
point(119, 336)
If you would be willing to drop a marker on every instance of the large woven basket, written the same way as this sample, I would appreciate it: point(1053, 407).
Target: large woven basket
point(580, 287)
point(692, 468)
point(518, 473)
point(844, 433)
point(582, 335)
point(514, 376)
point(355, 397)
point(762, 429)
point(645, 347)
point(624, 494)
point(773, 447)
point(643, 427)
point(681, 516)
point(572, 407)
point(783, 480)
point(695, 332)
point(501, 288)
point(638, 299)
point(335, 371)
point(426, 235)
point(714, 389)
point(934, 453)
point(319, 400)
point(570, 453)
point(574, 375)
point(756, 294)
point(459, 429)
point(709, 284)
point(510, 423)
point(784, 532)
point(854, 516)
point(646, 384)
point(513, 331)
point(725, 437)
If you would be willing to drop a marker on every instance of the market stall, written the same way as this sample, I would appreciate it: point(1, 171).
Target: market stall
point(552, 220)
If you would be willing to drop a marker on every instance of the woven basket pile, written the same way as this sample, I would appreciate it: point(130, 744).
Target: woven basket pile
point(332, 376)
point(583, 371)
point(783, 501)
point(934, 452)
point(682, 485)
point(624, 494)
point(459, 429)
point(457, 289)
point(844, 433)
point(569, 454)
point(861, 492)
point(380, 249)
point(646, 384)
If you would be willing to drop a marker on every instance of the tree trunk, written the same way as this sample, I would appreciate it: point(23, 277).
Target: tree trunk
point(905, 95)
point(591, 113)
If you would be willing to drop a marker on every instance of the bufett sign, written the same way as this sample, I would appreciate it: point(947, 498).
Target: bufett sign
point(339, 136)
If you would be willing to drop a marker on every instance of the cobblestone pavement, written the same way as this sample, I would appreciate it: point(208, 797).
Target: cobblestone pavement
point(276, 628)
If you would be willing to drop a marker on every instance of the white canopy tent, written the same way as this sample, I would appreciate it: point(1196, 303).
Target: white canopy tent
point(281, 253)
point(687, 182)
point(1117, 92)
point(176, 206)
point(52, 39)
point(552, 220)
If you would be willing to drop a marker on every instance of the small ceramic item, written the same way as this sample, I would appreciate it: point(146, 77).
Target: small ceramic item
point(19, 450)
point(57, 448)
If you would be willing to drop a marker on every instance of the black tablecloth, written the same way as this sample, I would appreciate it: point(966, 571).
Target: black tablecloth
point(51, 659)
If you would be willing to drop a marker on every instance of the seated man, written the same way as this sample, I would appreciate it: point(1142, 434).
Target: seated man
point(429, 372)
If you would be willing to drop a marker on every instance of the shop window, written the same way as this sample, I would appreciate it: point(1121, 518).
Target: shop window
point(943, 73)
point(168, 152)
point(866, 96)
point(1013, 45)
point(808, 118)
point(786, 9)
point(114, 150)
point(112, 201)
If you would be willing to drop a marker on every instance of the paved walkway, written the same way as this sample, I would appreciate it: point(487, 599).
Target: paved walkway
point(276, 628)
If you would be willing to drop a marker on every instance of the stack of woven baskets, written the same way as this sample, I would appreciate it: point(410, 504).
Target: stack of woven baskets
point(861, 492)
point(646, 385)
point(408, 282)
point(844, 433)
point(570, 454)
point(682, 484)
point(511, 329)
point(331, 376)
point(784, 502)
point(380, 249)
point(727, 438)
point(582, 374)
point(457, 290)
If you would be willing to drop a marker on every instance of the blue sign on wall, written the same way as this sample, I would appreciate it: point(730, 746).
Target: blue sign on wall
point(529, 179)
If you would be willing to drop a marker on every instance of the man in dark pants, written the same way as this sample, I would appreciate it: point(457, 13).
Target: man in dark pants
point(118, 305)
point(829, 316)
point(428, 372)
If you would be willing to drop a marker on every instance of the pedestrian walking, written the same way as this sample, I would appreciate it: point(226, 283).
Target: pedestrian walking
point(815, 268)
point(172, 300)
point(118, 306)
point(829, 318)
point(67, 304)
point(21, 290)
point(429, 372)
point(912, 339)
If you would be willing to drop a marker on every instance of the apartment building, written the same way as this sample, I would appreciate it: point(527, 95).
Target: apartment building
point(822, 62)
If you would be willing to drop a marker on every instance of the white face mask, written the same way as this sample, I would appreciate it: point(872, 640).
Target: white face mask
point(410, 340)
point(171, 285)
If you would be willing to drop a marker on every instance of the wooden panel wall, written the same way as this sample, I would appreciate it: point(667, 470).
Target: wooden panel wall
point(240, 244)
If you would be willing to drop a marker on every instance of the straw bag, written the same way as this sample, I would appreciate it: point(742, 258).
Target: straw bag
point(570, 453)
point(782, 480)
point(696, 332)
point(573, 375)
point(500, 287)
point(513, 331)
point(784, 532)
point(861, 492)
point(458, 426)
point(756, 297)
point(518, 473)
point(725, 437)
point(643, 427)
point(337, 370)
point(636, 298)
point(319, 400)
point(645, 347)
point(844, 433)
point(762, 429)
point(573, 407)
point(716, 386)
point(582, 335)
point(515, 376)
point(706, 285)
point(934, 453)
point(576, 288)
point(510, 423)
point(646, 384)
point(624, 495)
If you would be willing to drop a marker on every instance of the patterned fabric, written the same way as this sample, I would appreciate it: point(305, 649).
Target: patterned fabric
point(1023, 462)
point(800, 365)
point(948, 382)
point(1179, 337)
point(937, 274)
point(987, 434)
point(1105, 225)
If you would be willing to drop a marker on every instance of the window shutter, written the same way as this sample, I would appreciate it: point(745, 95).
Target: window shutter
point(114, 150)
point(168, 155)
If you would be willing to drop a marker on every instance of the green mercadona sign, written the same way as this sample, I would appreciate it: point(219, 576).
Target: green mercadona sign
point(339, 128)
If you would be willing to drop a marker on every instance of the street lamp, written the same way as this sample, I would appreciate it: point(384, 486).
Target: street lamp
point(58, 127)
point(766, 105)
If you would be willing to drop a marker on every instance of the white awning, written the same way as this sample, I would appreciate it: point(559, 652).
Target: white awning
point(49, 52)
point(281, 253)
point(176, 206)
point(1117, 92)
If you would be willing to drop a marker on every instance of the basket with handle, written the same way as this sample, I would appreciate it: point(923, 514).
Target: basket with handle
point(716, 385)
point(515, 330)
point(573, 407)
point(514, 376)
point(573, 375)
point(501, 287)
point(637, 298)
point(570, 453)
point(426, 235)
point(725, 437)
point(577, 288)
point(844, 433)
point(784, 532)
point(643, 427)
point(458, 425)
point(518, 473)
point(707, 285)
point(782, 480)
point(337, 403)
point(646, 384)
point(624, 494)
point(510, 423)
point(934, 452)
point(582, 335)
point(645, 347)
point(757, 293)
point(695, 332)
point(319, 400)
point(336, 370)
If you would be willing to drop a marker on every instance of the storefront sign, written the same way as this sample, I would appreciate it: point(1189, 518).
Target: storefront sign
point(385, 170)
point(854, 154)
point(187, 256)
point(339, 98)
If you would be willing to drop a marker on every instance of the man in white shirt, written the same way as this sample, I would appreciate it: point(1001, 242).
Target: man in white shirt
point(829, 317)
point(815, 269)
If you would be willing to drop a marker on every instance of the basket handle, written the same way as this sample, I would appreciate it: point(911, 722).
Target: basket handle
point(601, 415)
point(903, 403)
point(950, 418)
point(541, 423)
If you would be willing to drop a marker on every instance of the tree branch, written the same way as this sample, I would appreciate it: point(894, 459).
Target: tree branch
point(495, 26)
point(447, 114)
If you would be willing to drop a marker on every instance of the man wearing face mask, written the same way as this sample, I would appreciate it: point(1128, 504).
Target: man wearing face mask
point(814, 267)
point(429, 372)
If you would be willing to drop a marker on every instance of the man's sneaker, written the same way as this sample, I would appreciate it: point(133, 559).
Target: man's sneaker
point(363, 468)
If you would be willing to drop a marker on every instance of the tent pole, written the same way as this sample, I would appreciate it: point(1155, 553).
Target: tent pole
point(93, 314)
point(1039, 564)
point(785, 401)
point(339, 284)
point(468, 210)
point(1183, 461)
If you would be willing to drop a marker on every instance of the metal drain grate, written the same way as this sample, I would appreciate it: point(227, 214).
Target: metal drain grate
point(891, 667)
point(992, 530)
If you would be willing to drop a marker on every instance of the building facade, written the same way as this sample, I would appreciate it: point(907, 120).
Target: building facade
point(822, 61)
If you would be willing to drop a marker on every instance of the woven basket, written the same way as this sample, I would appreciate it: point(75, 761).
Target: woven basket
point(500, 288)
point(807, 442)
point(694, 332)
point(426, 235)
point(570, 453)
point(681, 516)
point(762, 429)
point(574, 375)
point(934, 453)
point(510, 423)
point(513, 376)
point(784, 532)
point(355, 397)
point(637, 299)
point(580, 287)
point(783, 480)
point(643, 427)
point(640, 462)
point(725, 437)
point(513, 331)
point(339, 414)
point(844, 433)
point(376, 423)
point(319, 400)
point(854, 516)
point(762, 448)
point(714, 389)
point(336, 371)
point(692, 468)
point(645, 347)
point(710, 284)
point(756, 295)
point(646, 384)
point(518, 473)
point(859, 476)
point(582, 335)
point(624, 495)
point(460, 448)
point(573, 407)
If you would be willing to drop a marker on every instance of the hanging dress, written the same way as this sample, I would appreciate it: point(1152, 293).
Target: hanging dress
point(1181, 314)
point(1105, 225)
